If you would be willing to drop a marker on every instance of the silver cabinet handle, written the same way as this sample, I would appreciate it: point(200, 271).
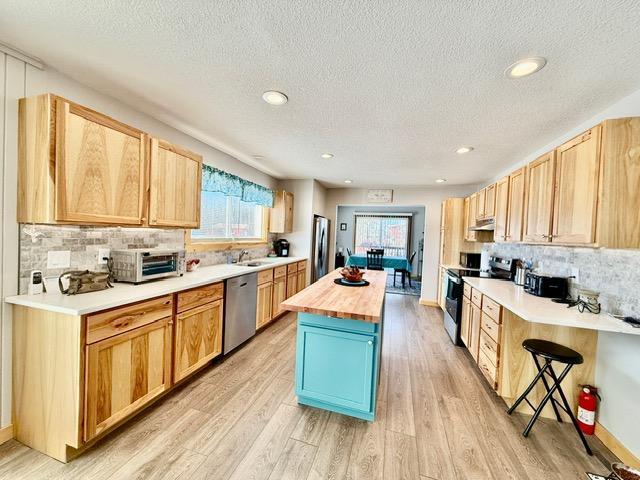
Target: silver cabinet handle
point(370, 342)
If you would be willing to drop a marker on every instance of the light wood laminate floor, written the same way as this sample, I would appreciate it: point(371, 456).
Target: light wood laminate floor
point(239, 419)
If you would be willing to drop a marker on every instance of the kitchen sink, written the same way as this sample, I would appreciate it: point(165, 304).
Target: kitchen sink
point(250, 264)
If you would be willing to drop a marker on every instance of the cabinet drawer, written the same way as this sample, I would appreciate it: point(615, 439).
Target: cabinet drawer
point(265, 276)
point(467, 290)
point(491, 308)
point(490, 327)
point(488, 370)
point(113, 322)
point(280, 271)
point(302, 265)
point(489, 347)
point(292, 268)
point(200, 296)
point(476, 297)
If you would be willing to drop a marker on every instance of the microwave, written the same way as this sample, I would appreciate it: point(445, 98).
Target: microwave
point(141, 265)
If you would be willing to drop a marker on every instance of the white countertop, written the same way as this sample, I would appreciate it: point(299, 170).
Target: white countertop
point(543, 310)
point(124, 293)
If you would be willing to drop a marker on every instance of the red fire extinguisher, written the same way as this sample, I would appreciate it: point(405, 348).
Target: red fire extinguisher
point(587, 405)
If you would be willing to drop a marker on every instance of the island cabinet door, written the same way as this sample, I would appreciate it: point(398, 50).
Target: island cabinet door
point(124, 373)
point(336, 367)
point(198, 338)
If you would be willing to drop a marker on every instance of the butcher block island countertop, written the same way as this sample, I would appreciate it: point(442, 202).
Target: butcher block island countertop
point(328, 299)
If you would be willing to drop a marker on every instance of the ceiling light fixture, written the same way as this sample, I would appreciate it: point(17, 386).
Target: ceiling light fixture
point(525, 67)
point(327, 155)
point(273, 97)
point(462, 150)
point(441, 180)
point(348, 181)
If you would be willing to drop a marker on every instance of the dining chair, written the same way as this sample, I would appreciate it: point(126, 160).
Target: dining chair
point(404, 271)
point(374, 259)
point(349, 252)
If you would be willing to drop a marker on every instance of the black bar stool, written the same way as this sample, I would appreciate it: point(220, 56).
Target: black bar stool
point(550, 352)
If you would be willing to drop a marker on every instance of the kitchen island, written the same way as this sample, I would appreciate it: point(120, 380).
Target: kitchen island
point(338, 344)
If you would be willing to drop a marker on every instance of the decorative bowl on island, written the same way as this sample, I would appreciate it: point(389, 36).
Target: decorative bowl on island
point(352, 274)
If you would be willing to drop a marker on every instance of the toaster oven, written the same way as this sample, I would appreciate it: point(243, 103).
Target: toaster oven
point(140, 265)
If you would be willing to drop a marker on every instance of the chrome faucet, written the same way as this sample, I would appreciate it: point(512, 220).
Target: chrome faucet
point(242, 254)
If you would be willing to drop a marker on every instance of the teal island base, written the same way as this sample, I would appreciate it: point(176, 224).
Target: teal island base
point(338, 364)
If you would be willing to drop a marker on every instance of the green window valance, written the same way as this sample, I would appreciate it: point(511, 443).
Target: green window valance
point(214, 180)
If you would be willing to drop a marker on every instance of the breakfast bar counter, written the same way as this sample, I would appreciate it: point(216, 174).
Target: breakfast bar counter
point(338, 344)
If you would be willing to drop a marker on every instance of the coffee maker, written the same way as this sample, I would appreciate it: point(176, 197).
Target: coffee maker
point(281, 247)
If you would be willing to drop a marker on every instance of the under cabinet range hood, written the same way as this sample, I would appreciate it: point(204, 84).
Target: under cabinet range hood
point(484, 224)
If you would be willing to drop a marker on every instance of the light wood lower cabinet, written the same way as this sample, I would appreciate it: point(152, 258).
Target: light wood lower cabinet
point(302, 280)
point(124, 373)
point(264, 306)
point(292, 284)
point(279, 295)
point(465, 321)
point(474, 331)
point(198, 338)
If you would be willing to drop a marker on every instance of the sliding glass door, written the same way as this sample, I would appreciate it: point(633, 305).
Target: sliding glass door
point(390, 232)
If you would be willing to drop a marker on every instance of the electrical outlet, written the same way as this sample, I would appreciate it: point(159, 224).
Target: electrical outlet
point(58, 259)
point(575, 273)
point(103, 253)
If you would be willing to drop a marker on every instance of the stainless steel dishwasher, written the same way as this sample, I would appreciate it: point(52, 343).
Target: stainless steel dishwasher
point(240, 316)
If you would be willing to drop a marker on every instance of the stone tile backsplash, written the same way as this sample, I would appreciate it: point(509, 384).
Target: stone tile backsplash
point(84, 241)
point(613, 273)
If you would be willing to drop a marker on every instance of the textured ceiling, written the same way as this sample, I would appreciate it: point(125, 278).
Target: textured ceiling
point(391, 88)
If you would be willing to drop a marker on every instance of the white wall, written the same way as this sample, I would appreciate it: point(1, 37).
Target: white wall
point(17, 80)
point(618, 358)
point(429, 197)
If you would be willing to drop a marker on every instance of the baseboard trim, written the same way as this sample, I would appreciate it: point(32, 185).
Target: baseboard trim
point(428, 303)
point(618, 449)
point(6, 434)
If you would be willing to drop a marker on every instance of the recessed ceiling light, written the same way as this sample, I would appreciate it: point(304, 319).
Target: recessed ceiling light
point(464, 150)
point(327, 155)
point(273, 97)
point(525, 67)
point(348, 181)
point(441, 180)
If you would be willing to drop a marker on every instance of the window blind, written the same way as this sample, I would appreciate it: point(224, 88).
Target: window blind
point(392, 232)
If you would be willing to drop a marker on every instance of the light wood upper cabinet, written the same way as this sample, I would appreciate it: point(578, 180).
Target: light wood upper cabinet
point(469, 214)
point(124, 373)
point(76, 165)
point(281, 215)
point(501, 209)
point(490, 201)
point(576, 189)
point(539, 202)
point(264, 304)
point(198, 338)
point(175, 182)
point(480, 205)
point(516, 205)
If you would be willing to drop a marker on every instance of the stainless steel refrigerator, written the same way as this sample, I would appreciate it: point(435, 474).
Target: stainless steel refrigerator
point(320, 254)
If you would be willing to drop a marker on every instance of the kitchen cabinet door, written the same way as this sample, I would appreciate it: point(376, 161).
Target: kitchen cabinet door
point(174, 186)
point(302, 280)
point(279, 295)
point(490, 201)
point(292, 284)
point(264, 304)
point(465, 320)
point(481, 208)
point(124, 373)
point(516, 205)
point(198, 338)
point(281, 214)
point(474, 331)
point(539, 202)
point(99, 168)
point(501, 210)
point(469, 235)
point(576, 195)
